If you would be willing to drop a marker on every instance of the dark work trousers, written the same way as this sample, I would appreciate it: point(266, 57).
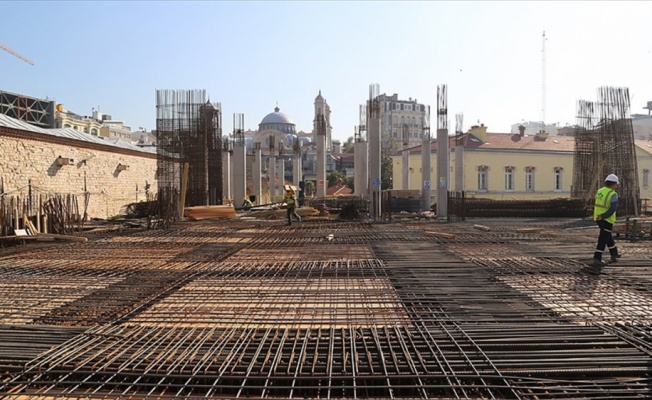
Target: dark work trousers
point(605, 239)
point(292, 212)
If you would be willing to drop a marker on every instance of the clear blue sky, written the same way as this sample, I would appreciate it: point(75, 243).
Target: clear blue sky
point(249, 55)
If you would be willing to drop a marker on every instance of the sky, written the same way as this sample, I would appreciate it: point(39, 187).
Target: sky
point(251, 56)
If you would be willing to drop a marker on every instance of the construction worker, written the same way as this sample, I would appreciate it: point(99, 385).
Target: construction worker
point(291, 200)
point(246, 203)
point(604, 214)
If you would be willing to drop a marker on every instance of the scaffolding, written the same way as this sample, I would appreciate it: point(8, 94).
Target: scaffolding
point(189, 134)
point(604, 144)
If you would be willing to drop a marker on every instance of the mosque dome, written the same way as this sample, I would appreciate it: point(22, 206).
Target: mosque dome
point(277, 117)
point(291, 137)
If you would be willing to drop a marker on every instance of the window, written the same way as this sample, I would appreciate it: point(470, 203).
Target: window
point(558, 178)
point(94, 132)
point(529, 179)
point(66, 126)
point(646, 177)
point(509, 177)
point(482, 177)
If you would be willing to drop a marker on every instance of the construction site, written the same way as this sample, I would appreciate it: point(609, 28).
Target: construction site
point(489, 300)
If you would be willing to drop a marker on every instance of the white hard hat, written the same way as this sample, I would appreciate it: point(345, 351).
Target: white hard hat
point(612, 178)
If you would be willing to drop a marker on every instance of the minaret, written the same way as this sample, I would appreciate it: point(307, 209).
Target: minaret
point(320, 167)
point(322, 107)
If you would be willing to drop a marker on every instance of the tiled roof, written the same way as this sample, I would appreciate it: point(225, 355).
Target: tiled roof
point(8, 122)
point(337, 190)
point(508, 141)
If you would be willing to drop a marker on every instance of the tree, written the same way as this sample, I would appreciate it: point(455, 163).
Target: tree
point(310, 187)
point(335, 176)
point(348, 146)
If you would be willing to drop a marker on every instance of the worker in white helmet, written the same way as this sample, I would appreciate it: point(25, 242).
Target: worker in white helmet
point(604, 214)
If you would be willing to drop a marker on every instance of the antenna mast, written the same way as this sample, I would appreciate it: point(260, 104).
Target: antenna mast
point(543, 82)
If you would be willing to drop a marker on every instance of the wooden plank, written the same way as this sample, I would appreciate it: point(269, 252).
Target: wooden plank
point(63, 237)
point(440, 235)
point(184, 187)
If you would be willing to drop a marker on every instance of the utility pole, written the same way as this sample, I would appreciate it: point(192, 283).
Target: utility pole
point(543, 82)
point(443, 164)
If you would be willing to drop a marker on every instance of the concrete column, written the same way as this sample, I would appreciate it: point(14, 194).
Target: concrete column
point(373, 133)
point(459, 167)
point(271, 172)
point(361, 176)
point(296, 169)
point(321, 165)
point(426, 176)
point(256, 173)
point(281, 175)
point(226, 175)
point(443, 172)
point(405, 164)
point(239, 173)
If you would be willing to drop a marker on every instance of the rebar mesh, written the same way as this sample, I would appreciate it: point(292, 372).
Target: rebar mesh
point(389, 311)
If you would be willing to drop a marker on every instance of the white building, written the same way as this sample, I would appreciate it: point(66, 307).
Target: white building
point(401, 120)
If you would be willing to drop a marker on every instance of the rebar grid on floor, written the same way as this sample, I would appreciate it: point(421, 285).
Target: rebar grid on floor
point(395, 316)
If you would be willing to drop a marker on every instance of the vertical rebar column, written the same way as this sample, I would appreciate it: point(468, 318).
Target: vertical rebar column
point(227, 150)
point(405, 158)
point(188, 128)
point(271, 169)
point(211, 153)
point(443, 164)
point(459, 153)
point(239, 159)
point(297, 168)
point(587, 173)
point(360, 157)
point(320, 137)
point(425, 162)
point(215, 179)
point(373, 137)
point(256, 173)
point(281, 168)
point(619, 150)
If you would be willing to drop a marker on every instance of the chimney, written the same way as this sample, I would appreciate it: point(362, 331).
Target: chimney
point(479, 132)
point(521, 130)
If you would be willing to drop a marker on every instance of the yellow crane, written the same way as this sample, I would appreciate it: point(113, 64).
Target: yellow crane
point(15, 53)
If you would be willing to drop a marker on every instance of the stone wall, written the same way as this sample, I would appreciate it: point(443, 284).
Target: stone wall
point(29, 160)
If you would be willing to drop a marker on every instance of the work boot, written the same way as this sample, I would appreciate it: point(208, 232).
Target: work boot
point(615, 258)
point(597, 263)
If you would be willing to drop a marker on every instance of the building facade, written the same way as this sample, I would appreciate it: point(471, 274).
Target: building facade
point(513, 166)
point(401, 121)
point(111, 175)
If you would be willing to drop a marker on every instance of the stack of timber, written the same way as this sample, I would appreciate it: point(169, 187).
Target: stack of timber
point(32, 233)
point(199, 213)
